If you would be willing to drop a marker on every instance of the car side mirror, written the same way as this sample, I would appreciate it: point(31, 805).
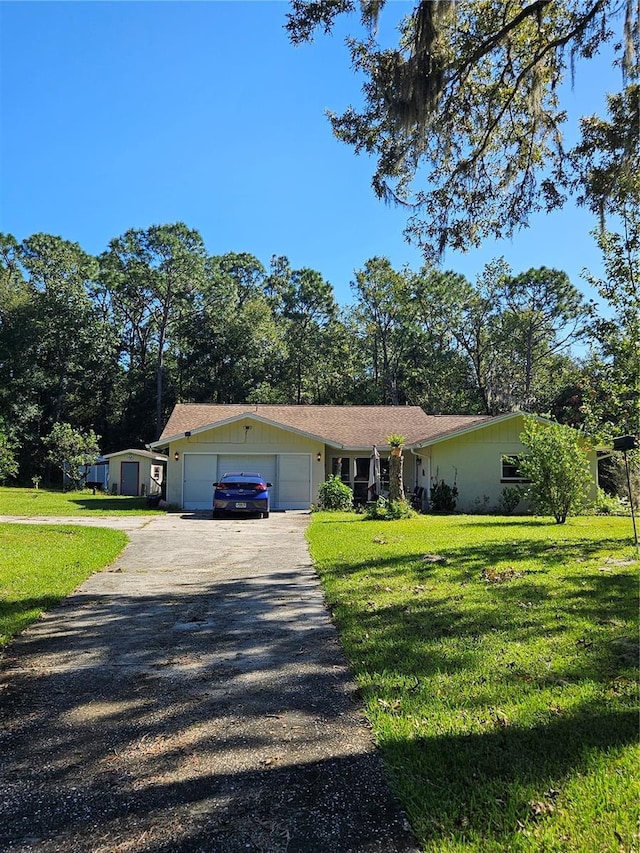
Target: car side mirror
point(215, 485)
point(269, 485)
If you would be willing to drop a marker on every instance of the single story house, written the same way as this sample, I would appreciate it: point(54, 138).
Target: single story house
point(297, 447)
point(135, 472)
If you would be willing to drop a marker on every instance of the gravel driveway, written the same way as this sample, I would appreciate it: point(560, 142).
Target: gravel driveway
point(191, 697)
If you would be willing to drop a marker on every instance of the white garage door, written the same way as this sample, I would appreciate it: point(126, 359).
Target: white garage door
point(290, 474)
point(294, 481)
point(200, 471)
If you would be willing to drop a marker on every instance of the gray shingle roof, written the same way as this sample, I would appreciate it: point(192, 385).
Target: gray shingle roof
point(347, 426)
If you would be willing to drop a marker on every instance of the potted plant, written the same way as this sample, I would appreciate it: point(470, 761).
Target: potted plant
point(396, 443)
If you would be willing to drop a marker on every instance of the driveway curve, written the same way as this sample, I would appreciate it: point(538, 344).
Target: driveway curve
point(193, 696)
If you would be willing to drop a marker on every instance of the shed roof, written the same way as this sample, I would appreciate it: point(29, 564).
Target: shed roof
point(343, 426)
point(148, 454)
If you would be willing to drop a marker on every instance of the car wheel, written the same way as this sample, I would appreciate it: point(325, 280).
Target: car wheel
point(215, 514)
point(265, 514)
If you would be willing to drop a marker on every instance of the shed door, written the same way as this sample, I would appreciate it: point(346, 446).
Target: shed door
point(129, 478)
point(294, 481)
point(199, 475)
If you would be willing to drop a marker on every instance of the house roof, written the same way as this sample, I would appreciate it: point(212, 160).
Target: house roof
point(341, 426)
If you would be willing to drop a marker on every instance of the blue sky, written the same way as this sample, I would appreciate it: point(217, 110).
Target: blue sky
point(120, 115)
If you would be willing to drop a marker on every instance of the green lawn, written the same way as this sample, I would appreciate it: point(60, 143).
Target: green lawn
point(497, 661)
point(35, 502)
point(41, 564)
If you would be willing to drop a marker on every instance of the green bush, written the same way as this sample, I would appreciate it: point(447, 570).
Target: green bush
point(386, 510)
point(605, 504)
point(557, 465)
point(443, 497)
point(509, 499)
point(333, 494)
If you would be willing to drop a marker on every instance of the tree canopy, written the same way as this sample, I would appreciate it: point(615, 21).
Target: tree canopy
point(463, 114)
point(110, 344)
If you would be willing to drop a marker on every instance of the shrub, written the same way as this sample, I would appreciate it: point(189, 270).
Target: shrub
point(605, 504)
point(333, 494)
point(480, 505)
point(509, 499)
point(388, 510)
point(443, 497)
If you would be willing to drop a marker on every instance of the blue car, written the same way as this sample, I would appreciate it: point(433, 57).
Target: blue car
point(241, 492)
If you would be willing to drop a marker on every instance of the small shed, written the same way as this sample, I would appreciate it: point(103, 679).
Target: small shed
point(136, 472)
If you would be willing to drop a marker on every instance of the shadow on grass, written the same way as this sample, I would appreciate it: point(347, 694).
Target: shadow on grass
point(111, 504)
point(17, 615)
point(461, 561)
point(407, 636)
point(421, 633)
point(486, 781)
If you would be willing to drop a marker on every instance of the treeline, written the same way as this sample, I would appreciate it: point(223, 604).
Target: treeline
point(111, 343)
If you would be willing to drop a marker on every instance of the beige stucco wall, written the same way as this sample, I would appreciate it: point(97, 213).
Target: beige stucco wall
point(473, 462)
point(234, 438)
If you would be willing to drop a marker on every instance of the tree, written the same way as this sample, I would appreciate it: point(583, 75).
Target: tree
point(557, 465)
point(8, 461)
point(228, 340)
point(54, 344)
point(463, 114)
point(608, 161)
point(150, 275)
point(305, 307)
point(17, 403)
point(544, 315)
point(473, 316)
point(63, 326)
point(512, 330)
point(71, 451)
point(614, 367)
point(385, 317)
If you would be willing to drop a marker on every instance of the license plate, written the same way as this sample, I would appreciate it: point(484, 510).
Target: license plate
point(241, 505)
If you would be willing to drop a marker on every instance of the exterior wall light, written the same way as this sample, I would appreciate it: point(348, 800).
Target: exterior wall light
point(318, 457)
point(176, 456)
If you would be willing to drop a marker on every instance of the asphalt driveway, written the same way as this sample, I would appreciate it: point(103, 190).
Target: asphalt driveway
point(191, 697)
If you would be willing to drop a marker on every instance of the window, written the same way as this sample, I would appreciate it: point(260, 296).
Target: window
point(511, 471)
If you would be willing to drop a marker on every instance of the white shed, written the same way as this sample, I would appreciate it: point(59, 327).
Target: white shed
point(136, 472)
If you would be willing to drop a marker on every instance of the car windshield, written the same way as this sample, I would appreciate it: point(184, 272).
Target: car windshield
point(237, 483)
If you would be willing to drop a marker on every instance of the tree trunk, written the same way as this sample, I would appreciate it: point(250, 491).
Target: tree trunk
point(396, 485)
